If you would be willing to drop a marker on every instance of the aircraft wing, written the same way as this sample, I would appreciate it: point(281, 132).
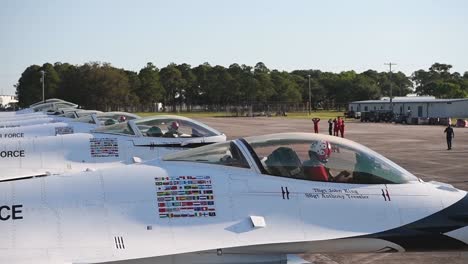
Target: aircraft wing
point(213, 257)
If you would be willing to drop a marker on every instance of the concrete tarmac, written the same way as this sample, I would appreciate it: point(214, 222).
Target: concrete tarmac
point(422, 150)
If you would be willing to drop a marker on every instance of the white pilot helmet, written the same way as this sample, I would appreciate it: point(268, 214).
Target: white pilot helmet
point(322, 149)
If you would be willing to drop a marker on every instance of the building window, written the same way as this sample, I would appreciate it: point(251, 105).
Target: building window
point(365, 108)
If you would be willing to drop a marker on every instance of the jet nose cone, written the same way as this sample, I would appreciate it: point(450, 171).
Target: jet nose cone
point(458, 215)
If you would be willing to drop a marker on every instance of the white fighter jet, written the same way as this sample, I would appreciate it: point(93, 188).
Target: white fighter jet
point(252, 200)
point(83, 122)
point(65, 115)
point(50, 105)
point(132, 141)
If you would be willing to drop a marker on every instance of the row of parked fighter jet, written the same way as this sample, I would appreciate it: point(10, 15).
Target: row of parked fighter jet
point(51, 139)
point(80, 186)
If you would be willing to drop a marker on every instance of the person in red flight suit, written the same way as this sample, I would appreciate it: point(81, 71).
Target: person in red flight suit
point(336, 126)
point(315, 169)
point(316, 120)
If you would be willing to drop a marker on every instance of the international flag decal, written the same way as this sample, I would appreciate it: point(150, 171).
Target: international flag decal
point(185, 196)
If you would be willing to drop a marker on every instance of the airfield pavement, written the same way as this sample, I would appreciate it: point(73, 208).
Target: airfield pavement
point(421, 150)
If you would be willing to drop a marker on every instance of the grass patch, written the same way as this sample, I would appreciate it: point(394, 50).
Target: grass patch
point(322, 114)
point(186, 114)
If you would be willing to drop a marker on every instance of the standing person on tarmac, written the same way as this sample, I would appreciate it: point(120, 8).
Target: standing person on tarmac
point(341, 127)
point(336, 128)
point(316, 120)
point(449, 134)
point(330, 126)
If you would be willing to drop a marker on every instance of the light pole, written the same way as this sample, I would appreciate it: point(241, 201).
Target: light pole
point(309, 95)
point(43, 81)
point(391, 88)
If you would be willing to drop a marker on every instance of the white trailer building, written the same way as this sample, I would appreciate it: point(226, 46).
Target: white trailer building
point(7, 99)
point(415, 106)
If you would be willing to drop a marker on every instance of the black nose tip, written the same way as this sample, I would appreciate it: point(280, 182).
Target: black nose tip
point(446, 230)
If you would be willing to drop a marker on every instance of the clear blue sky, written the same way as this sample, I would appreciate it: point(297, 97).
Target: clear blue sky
point(327, 35)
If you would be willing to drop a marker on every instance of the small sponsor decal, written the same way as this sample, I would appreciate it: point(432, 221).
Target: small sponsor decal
point(63, 130)
point(104, 147)
point(185, 196)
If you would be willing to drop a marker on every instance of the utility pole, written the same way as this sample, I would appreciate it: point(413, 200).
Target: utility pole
point(43, 81)
point(310, 101)
point(391, 89)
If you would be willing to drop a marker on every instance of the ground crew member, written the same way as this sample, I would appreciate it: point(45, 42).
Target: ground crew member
point(335, 127)
point(449, 134)
point(341, 126)
point(316, 120)
point(330, 126)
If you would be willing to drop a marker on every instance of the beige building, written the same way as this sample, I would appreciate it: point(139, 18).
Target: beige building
point(415, 106)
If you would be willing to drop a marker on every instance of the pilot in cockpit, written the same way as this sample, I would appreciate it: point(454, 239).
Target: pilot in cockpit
point(173, 130)
point(315, 169)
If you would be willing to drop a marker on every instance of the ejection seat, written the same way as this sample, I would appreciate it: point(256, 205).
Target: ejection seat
point(284, 161)
point(154, 131)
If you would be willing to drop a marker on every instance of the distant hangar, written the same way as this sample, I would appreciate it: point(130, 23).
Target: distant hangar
point(415, 106)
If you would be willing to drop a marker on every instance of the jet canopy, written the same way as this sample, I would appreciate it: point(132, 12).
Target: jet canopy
point(105, 119)
point(77, 113)
point(300, 156)
point(50, 100)
point(161, 126)
point(53, 106)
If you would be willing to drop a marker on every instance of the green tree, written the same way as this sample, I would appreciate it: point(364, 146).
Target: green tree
point(149, 90)
point(29, 89)
point(189, 85)
point(439, 82)
point(172, 82)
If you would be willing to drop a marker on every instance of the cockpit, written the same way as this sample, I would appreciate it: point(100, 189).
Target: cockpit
point(164, 126)
point(50, 100)
point(111, 118)
point(301, 156)
point(77, 113)
point(106, 119)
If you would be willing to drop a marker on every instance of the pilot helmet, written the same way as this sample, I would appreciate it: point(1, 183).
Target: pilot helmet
point(174, 125)
point(321, 150)
point(122, 119)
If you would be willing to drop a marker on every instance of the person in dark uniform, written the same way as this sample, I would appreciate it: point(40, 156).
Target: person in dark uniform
point(335, 127)
point(330, 126)
point(449, 134)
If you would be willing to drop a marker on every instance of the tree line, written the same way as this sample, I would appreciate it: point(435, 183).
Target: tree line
point(104, 87)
